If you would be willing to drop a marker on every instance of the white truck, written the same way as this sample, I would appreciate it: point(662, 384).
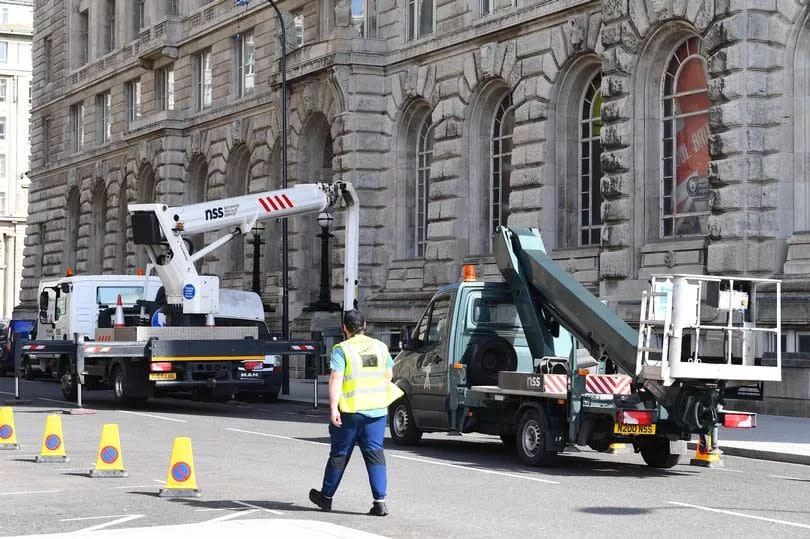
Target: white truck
point(182, 352)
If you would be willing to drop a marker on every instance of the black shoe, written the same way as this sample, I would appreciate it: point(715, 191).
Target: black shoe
point(379, 509)
point(320, 500)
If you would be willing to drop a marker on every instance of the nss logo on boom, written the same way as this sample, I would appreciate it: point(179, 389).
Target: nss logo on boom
point(214, 213)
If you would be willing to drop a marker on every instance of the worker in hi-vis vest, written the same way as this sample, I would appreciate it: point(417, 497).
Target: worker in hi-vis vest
point(360, 391)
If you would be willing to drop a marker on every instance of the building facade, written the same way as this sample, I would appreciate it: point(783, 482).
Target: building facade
point(641, 136)
point(16, 25)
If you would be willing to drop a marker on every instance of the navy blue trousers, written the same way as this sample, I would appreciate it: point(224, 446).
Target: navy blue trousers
point(368, 433)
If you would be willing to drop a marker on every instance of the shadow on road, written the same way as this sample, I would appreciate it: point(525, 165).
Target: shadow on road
point(253, 504)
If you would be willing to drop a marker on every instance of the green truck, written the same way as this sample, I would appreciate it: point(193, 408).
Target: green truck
point(516, 359)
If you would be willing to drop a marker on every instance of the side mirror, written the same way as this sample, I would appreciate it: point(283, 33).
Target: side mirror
point(43, 301)
point(407, 342)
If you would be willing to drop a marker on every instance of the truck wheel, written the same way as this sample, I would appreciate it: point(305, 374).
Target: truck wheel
point(122, 385)
point(28, 370)
point(531, 437)
point(68, 382)
point(401, 424)
point(656, 453)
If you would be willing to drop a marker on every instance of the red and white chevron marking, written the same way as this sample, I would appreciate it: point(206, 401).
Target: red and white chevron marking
point(302, 347)
point(97, 349)
point(276, 203)
point(555, 383)
point(607, 384)
point(34, 347)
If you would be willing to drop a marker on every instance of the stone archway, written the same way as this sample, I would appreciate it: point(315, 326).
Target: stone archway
point(315, 154)
point(237, 181)
point(72, 216)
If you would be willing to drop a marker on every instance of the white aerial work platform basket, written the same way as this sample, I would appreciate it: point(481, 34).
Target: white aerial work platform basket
point(704, 327)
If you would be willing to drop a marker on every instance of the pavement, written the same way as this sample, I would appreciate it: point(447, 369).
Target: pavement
point(255, 463)
point(779, 438)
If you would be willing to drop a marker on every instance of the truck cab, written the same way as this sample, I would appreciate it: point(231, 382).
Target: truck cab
point(469, 333)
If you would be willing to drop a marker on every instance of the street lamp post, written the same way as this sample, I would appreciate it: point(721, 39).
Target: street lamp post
point(257, 241)
point(324, 302)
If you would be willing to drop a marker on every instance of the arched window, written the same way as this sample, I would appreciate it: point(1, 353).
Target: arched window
point(121, 247)
point(424, 155)
point(72, 229)
point(590, 168)
point(195, 191)
point(236, 184)
point(95, 258)
point(148, 193)
point(273, 229)
point(501, 151)
point(685, 166)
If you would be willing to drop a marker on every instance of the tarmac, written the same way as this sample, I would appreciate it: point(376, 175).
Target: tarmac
point(776, 438)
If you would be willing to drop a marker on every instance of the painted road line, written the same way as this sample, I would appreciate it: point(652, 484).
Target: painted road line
point(153, 416)
point(479, 470)
point(229, 516)
point(111, 523)
point(726, 470)
point(787, 477)
point(29, 492)
point(8, 393)
point(219, 509)
point(266, 510)
point(90, 518)
point(277, 436)
point(743, 515)
point(159, 481)
point(57, 400)
point(137, 486)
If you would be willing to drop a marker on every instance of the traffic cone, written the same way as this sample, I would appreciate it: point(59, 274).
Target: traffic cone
point(704, 456)
point(53, 444)
point(110, 460)
point(8, 434)
point(209, 320)
point(181, 482)
point(616, 448)
point(119, 314)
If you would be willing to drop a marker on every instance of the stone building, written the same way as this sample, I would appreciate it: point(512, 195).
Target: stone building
point(641, 136)
point(16, 19)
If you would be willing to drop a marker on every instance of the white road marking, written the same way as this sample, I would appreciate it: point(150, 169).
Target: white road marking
point(219, 509)
point(787, 477)
point(153, 416)
point(266, 510)
point(57, 400)
point(229, 516)
point(137, 486)
point(726, 470)
point(480, 470)
point(72, 469)
point(29, 492)
point(743, 515)
point(8, 393)
point(159, 481)
point(277, 436)
point(111, 523)
point(90, 518)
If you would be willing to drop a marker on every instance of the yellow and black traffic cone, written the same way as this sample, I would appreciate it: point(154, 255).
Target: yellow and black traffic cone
point(181, 482)
point(704, 455)
point(110, 460)
point(8, 434)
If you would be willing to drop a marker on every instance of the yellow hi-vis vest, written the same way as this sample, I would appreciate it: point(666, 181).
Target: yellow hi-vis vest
point(365, 386)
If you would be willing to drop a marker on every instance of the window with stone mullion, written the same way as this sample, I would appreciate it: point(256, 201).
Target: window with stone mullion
point(684, 206)
point(424, 154)
point(501, 152)
point(590, 169)
point(419, 18)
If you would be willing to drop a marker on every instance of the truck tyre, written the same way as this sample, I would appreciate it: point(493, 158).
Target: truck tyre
point(530, 439)
point(401, 424)
point(28, 369)
point(68, 381)
point(122, 385)
point(489, 357)
point(656, 453)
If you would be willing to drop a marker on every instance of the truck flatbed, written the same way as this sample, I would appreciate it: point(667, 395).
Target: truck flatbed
point(495, 390)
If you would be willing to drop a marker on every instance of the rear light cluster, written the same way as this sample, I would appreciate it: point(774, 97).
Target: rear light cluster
point(160, 367)
point(739, 421)
point(634, 417)
point(252, 365)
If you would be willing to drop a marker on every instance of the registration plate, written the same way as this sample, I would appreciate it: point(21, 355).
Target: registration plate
point(634, 430)
point(163, 376)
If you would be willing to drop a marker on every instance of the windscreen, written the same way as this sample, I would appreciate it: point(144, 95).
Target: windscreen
point(108, 295)
point(495, 312)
